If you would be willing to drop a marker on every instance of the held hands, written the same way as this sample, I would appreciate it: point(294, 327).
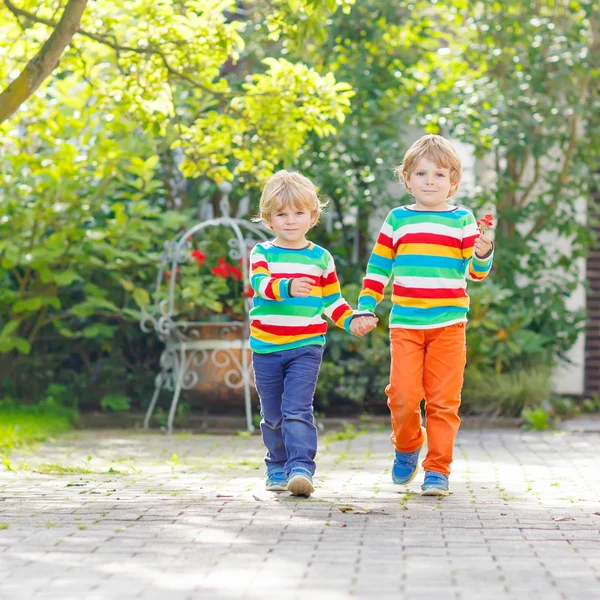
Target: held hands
point(301, 286)
point(362, 325)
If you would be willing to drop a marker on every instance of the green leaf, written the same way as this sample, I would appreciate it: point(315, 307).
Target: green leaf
point(141, 297)
point(98, 330)
point(68, 333)
point(46, 274)
point(28, 305)
point(66, 278)
point(22, 345)
point(151, 162)
point(10, 327)
point(53, 301)
point(127, 285)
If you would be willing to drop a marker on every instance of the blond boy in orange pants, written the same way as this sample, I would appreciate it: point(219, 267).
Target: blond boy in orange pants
point(429, 248)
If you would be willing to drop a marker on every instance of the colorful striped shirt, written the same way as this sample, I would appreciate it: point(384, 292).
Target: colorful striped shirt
point(279, 321)
point(430, 256)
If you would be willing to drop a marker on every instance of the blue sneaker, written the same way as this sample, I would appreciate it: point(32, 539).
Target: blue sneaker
point(300, 482)
point(276, 480)
point(406, 464)
point(435, 484)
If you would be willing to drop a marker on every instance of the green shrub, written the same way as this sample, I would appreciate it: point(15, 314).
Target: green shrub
point(506, 394)
point(22, 424)
point(538, 419)
point(115, 403)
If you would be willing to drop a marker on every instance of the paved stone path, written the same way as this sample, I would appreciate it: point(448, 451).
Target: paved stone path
point(186, 517)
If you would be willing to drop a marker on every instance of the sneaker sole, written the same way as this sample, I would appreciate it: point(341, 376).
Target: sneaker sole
point(276, 488)
point(434, 492)
point(300, 486)
point(407, 481)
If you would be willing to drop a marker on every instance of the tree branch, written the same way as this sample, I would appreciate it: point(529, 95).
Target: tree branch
point(562, 178)
point(44, 62)
point(536, 177)
point(148, 50)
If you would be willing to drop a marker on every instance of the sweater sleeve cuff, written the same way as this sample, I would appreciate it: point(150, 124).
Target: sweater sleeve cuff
point(484, 260)
point(284, 288)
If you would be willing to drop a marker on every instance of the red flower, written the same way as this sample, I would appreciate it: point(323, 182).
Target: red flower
point(248, 293)
point(199, 257)
point(167, 274)
point(486, 222)
point(234, 272)
point(222, 261)
point(220, 271)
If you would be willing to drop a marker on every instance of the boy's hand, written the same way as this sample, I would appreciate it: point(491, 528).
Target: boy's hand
point(483, 245)
point(301, 286)
point(362, 325)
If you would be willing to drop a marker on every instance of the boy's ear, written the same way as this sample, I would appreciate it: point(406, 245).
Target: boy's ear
point(314, 217)
point(454, 188)
point(405, 177)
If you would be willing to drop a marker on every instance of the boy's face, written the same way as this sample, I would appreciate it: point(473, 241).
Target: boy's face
point(429, 184)
point(291, 224)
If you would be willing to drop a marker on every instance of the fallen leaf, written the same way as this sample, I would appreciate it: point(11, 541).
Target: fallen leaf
point(563, 518)
point(343, 525)
point(224, 496)
point(355, 509)
point(257, 498)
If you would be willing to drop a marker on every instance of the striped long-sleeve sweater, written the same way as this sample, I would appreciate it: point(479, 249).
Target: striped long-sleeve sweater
point(430, 256)
point(279, 321)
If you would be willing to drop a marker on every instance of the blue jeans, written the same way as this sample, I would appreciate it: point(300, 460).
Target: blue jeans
point(286, 383)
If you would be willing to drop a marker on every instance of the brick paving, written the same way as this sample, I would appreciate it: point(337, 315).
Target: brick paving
point(186, 517)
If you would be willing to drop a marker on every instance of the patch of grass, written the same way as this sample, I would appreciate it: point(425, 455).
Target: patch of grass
point(25, 424)
point(348, 433)
point(406, 497)
point(3, 525)
point(253, 464)
point(56, 468)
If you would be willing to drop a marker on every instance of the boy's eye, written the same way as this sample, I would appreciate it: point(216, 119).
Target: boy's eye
point(441, 175)
point(300, 213)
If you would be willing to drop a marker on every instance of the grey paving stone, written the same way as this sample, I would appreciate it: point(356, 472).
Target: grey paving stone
point(520, 521)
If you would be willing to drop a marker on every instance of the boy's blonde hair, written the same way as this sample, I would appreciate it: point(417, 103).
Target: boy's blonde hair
point(438, 150)
point(287, 188)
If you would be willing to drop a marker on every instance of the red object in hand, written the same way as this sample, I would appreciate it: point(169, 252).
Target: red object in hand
point(486, 222)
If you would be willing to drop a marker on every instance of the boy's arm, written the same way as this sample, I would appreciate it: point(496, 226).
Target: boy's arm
point(270, 288)
point(477, 267)
point(336, 307)
point(379, 268)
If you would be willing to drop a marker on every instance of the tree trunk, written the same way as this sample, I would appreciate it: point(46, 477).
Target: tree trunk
point(44, 62)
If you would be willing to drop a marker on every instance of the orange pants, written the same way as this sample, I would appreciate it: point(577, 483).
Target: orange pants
point(427, 363)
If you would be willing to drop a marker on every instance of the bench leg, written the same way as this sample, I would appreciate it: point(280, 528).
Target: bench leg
point(178, 375)
point(247, 398)
point(157, 388)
